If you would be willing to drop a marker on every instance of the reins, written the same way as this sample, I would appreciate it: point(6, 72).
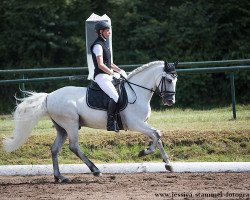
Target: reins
point(130, 83)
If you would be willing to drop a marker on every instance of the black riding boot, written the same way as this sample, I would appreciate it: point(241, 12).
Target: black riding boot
point(111, 122)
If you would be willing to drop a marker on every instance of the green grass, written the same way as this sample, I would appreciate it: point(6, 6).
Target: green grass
point(188, 135)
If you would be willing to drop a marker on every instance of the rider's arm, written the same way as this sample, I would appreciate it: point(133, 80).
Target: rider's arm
point(115, 68)
point(98, 51)
point(102, 66)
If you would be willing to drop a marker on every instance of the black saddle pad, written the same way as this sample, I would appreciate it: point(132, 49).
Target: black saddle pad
point(97, 99)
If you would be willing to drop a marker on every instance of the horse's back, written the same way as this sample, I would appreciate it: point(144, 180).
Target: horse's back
point(66, 100)
point(69, 91)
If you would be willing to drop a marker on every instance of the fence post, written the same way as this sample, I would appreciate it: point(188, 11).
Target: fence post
point(233, 94)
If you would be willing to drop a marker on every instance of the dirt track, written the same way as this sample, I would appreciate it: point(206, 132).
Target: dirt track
point(129, 186)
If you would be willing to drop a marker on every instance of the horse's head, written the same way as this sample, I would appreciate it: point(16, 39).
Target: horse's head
point(167, 84)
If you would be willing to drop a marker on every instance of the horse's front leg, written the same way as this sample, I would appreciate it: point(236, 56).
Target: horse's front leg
point(165, 157)
point(151, 132)
point(155, 135)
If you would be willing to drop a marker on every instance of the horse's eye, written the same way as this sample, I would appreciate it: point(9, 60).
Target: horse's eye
point(169, 80)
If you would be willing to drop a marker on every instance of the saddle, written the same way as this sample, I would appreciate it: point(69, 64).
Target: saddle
point(97, 99)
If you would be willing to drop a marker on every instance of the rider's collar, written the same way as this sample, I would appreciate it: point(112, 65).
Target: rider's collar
point(103, 38)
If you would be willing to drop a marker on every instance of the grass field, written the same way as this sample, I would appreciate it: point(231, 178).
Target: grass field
point(188, 135)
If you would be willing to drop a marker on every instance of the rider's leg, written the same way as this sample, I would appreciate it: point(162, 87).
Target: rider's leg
point(104, 82)
point(111, 117)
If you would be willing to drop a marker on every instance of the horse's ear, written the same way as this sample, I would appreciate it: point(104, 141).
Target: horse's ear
point(176, 63)
point(170, 68)
point(165, 65)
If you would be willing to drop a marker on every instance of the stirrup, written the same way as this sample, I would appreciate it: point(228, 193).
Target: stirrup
point(113, 127)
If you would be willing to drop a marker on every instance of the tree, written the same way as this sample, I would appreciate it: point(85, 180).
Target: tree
point(37, 34)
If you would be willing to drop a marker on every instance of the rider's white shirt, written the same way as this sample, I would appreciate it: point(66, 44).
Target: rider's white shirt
point(97, 49)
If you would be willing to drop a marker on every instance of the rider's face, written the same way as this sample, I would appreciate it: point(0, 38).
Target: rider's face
point(106, 33)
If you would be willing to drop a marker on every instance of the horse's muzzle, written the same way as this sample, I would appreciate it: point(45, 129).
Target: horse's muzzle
point(168, 99)
point(169, 102)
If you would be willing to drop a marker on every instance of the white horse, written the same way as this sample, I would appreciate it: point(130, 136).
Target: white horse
point(68, 110)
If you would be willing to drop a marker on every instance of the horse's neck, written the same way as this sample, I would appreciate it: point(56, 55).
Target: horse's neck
point(147, 79)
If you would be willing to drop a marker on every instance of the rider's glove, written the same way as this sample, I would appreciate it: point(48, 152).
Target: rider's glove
point(116, 75)
point(123, 73)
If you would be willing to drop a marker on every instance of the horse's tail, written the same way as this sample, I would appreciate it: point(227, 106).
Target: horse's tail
point(26, 116)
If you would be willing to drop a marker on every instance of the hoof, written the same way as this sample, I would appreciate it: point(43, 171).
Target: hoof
point(142, 153)
point(97, 173)
point(61, 179)
point(169, 168)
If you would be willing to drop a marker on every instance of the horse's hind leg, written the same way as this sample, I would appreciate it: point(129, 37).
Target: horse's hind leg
point(55, 149)
point(74, 147)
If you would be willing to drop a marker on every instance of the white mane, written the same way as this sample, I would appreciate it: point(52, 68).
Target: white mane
point(143, 67)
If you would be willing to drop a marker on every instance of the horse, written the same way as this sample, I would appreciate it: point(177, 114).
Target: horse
point(68, 111)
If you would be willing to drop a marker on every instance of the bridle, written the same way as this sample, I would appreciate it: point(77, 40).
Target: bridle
point(163, 92)
point(160, 89)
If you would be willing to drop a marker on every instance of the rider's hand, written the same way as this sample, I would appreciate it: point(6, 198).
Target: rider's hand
point(116, 75)
point(123, 73)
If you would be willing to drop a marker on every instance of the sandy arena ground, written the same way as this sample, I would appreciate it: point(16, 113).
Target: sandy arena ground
point(129, 186)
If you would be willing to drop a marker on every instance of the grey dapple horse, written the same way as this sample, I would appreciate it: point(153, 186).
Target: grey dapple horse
point(68, 110)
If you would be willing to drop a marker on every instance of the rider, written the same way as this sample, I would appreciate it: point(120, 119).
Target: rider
point(105, 71)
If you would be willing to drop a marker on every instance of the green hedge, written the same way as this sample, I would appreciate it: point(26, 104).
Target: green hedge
point(48, 33)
